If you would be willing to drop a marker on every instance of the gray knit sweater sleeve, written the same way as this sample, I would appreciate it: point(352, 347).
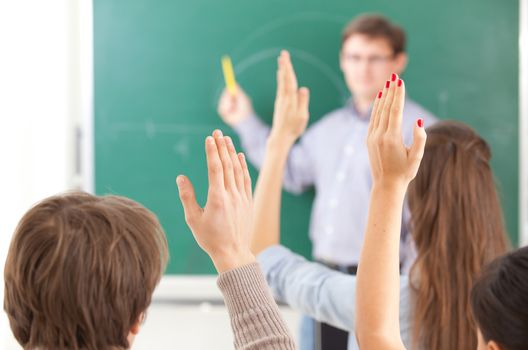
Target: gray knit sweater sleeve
point(255, 317)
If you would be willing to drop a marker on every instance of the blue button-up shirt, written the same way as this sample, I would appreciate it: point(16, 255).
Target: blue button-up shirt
point(332, 157)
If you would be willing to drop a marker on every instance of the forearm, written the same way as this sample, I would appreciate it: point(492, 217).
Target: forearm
point(255, 317)
point(310, 288)
point(253, 134)
point(378, 275)
point(268, 191)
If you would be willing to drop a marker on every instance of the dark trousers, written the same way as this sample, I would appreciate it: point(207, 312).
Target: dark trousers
point(328, 337)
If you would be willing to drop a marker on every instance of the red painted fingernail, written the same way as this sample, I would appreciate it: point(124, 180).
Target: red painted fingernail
point(387, 84)
point(379, 94)
point(393, 77)
point(420, 122)
point(400, 82)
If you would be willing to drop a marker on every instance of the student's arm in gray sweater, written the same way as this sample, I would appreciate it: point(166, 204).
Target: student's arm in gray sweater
point(255, 317)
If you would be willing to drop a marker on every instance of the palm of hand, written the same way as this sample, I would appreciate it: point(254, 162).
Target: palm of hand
point(291, 114)
point(221, 215)
point(391, 161)
point(223, 227)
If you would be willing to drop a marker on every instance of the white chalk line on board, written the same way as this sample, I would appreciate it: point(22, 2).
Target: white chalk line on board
point(151, 129)
point(270, 26)
point(181, 146)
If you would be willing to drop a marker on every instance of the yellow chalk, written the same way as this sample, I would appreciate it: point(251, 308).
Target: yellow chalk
point(229, 74)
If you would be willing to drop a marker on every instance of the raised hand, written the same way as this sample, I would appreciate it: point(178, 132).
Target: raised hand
point(291, 114)
point(289, 122)
point(222, 227)
point(390, 160)
point(393, 166)
point(234, 108)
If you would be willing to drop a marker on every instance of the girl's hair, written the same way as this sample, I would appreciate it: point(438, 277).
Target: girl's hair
point(457, 227)
point(499, 301)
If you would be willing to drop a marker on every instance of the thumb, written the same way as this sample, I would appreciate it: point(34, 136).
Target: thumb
point(188, 199)
point(417, 149)
point(303, 100)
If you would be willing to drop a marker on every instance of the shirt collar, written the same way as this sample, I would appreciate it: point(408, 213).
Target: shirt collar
point(362, 117)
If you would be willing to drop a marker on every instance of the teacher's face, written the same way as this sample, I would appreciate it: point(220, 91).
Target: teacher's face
point(366, 63)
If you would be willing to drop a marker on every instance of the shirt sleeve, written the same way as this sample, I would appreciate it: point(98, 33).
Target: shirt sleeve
point(407, 248)
point(299, 172)
point(255, 317)
point(326, 295)
point(253, 134)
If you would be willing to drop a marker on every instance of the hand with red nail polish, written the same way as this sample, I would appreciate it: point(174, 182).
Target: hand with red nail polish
point(390, 160)
point(393, 166)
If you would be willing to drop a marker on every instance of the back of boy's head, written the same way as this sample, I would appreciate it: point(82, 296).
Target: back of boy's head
point(499, 301)
point(81, 270)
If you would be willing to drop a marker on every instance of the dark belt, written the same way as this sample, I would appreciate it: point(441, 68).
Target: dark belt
point(348, 269)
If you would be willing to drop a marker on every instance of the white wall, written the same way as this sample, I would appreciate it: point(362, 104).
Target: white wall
point(38, 105)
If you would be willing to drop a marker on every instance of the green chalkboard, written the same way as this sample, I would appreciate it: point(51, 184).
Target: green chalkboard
point(158, 78)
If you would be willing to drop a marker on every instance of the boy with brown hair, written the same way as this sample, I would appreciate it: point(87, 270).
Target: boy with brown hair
point(81, 269)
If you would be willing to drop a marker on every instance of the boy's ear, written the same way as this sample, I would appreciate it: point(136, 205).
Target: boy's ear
point(137, 325)
point(493, 346)
point(135, 328)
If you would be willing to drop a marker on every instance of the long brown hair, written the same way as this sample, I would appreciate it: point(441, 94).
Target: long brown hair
point(457, 227)
point(81, 270)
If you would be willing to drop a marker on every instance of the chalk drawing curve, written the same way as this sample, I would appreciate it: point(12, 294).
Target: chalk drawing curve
point(270, 26)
